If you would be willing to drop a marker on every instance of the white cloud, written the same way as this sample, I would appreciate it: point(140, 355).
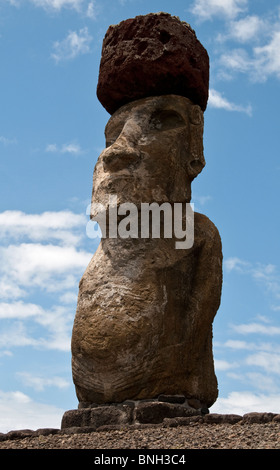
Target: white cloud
point(6, 353)
point(49, 267)
point(68, 298)
point(247, 28)
point(264, 271)
point(75, 44)
point(267, 59)
point(65, 227)
point(256, 328)
point(270, 362)
point(29, 268)
point(91, 10)
point(16, 335)
point(246, 402)
point(265, 275)
point(217, 100)
point(263, 62)
point(237, 344)
point(57, 5)
point(40, 383)
point(262, 382)
point(15, 3)
point(264, 355)
point(51, 148)
point(53, 324)
point(207, 9)
point(236, 264)
point(87, 9)
point(235, 61)
point(72, 148)
point(221, 364)
point(19, 411)
point(19, 310)
point(8, 289)
point(5, 141)
point(202, 200)
point(246, 345)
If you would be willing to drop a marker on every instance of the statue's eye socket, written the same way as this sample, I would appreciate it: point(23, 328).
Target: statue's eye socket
point(113, 130)
point(112, 136)
point(165, 120)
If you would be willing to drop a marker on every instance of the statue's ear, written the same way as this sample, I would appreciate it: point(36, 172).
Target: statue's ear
point(196, 161)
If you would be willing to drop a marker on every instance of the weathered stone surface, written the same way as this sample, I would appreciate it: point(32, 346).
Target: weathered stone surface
point(76, 418)
point(143, 325)
point(98, 416)
point(172, 398)
point(193, 402)
point(154, 150)
point(216, 418)
point(258, 417)
point(24, 433)
point(19, 434)
point(46, 431)
point(129, 413)
point(83, 404)
point(156, 412)
point(152, 55)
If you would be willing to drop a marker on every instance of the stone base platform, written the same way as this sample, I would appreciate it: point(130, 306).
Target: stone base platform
point(211, 419)
point(132, 412)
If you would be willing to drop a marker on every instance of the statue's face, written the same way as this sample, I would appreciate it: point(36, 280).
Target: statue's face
point(154, 149)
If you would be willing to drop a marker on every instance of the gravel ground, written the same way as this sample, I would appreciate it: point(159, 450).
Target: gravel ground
point(193, 436)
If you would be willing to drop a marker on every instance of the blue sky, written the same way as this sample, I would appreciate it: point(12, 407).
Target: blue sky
point(51, 133)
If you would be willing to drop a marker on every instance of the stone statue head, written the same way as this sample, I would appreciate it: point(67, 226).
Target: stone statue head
point(154, 149)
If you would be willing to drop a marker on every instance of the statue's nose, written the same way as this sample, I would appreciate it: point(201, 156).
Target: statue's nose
point(120, 155)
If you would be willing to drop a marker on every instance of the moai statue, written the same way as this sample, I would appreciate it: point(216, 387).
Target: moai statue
point(143, 325)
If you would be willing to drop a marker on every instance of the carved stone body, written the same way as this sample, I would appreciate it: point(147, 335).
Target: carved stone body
point(143, 325)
